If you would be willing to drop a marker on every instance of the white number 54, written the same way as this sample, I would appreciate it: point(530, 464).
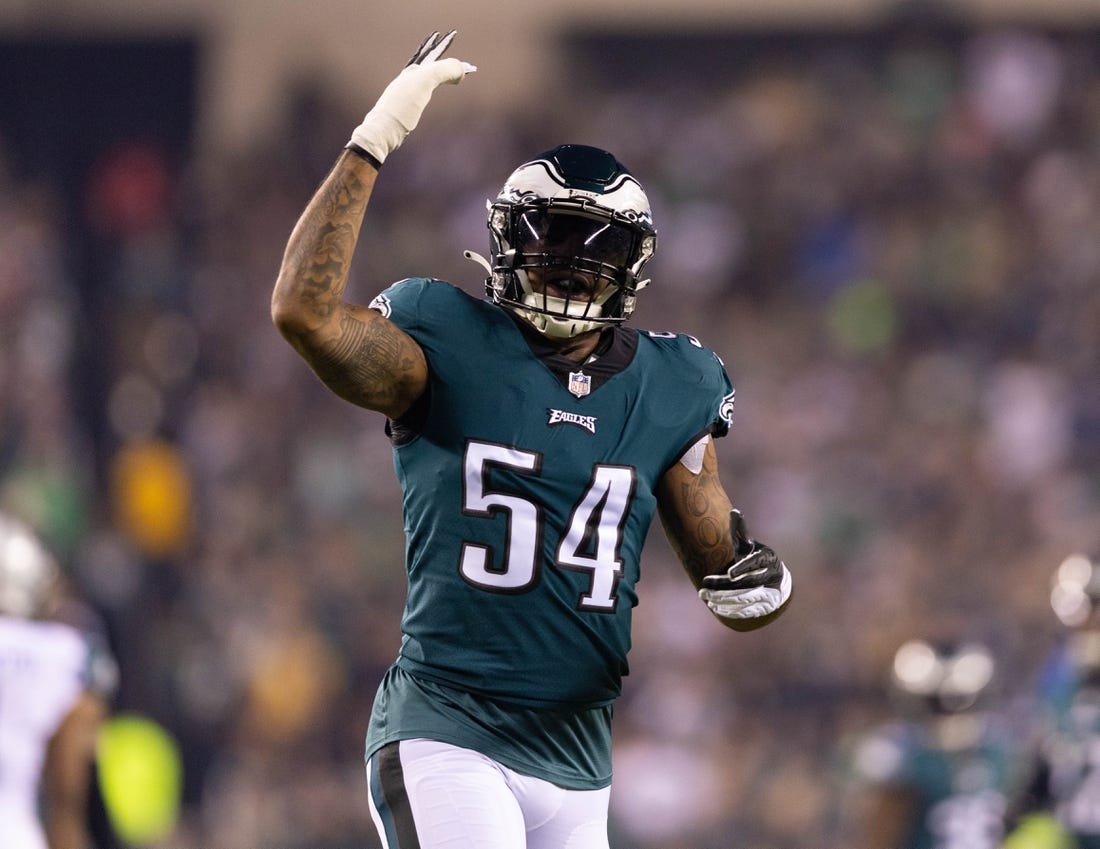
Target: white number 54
point(591, 542)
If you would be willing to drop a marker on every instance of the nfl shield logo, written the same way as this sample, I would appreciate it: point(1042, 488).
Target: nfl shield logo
point(580, 384)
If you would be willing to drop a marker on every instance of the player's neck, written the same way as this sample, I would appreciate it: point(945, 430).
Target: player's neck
point(577, 348)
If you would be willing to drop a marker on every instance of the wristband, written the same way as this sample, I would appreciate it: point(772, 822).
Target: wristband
point(365, 154)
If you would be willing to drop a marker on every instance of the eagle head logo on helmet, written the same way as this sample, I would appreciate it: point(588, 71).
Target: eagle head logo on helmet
point(571, 212)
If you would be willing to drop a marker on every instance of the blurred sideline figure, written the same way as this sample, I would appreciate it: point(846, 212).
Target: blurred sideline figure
point(939, 777)
point(534, 436)
point(1064, 793)
point(55, 683)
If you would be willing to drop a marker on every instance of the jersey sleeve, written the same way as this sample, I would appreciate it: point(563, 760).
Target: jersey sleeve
point(704, 369)
point(722, 388)
point(402, 302)
point(689, 381)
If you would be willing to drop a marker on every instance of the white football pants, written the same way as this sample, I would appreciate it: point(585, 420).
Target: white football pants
point(429, 795)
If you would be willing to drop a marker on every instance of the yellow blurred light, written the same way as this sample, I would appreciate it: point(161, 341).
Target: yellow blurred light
point(141, 777)
point(151, 492)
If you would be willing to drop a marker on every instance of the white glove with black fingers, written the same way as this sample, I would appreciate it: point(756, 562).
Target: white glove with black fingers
point(757, 583)
point(403, 101)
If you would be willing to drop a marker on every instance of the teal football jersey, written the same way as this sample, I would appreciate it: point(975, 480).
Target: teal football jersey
point(528, 490)
point(960, 794)
point(1069, 726)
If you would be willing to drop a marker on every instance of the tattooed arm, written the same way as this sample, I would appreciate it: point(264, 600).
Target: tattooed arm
point(359, 355)
point(695, 510)
point(695, 513)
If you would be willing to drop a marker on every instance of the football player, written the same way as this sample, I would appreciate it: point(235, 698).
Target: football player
point(55, 682)
point(942, 775)
point(1065, 783)
point(534, 436)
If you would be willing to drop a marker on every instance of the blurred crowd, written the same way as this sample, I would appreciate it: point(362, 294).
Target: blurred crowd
point(895, 254)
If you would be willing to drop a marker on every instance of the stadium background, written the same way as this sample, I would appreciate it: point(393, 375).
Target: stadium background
point(882, 216)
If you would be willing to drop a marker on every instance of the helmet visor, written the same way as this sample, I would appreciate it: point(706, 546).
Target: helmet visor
point(548, 239)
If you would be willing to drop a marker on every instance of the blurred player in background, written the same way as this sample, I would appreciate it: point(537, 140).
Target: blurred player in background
point(534, 437)
point(941, 776)
point(1065, 785)
point(55, 684)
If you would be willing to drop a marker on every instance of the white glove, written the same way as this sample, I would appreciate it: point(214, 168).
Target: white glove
point(749, 603)
point(757, 583)
point(398, 110)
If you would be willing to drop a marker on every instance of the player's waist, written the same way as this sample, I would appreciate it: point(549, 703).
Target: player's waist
point(525, 688)
point(569, 747)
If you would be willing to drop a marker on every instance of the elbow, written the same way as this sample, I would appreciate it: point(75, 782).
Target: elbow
point(282, 316)
point(287, 312)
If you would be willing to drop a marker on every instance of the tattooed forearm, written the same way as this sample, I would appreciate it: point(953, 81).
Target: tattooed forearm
point(345, 198)
point(695, 513)
point(327, 241)
point(703, 546)
point(315, 266)
point(326, 271)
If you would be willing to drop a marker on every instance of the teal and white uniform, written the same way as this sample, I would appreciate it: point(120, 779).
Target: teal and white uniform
point(528, 486)
point(1068, 769)
point(45, 667)
point(960, 794)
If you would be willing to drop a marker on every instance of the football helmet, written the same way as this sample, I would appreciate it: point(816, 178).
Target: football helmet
point(1075, 590)
point(569, 234)
point(1074, 596)
point(942, 679)
point(27, 570)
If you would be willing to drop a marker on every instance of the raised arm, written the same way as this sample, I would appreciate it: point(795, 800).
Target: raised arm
point(361, 356)
point(358, 354)
point(741, 580)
